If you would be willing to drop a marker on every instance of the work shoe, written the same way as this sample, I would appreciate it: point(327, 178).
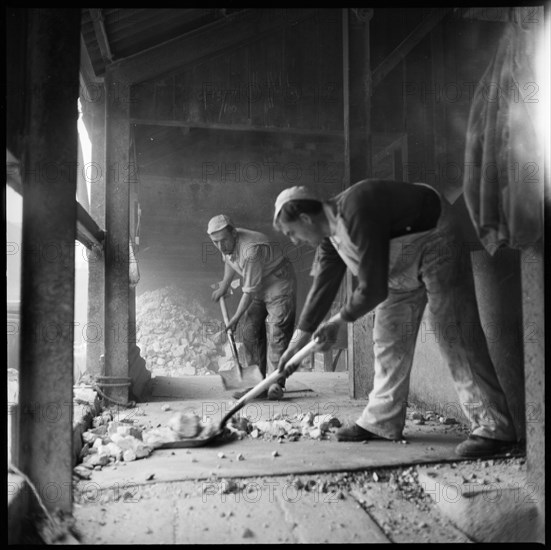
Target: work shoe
point(240, 394)
point(275, 391)
point(355, 433)
point(476, 446)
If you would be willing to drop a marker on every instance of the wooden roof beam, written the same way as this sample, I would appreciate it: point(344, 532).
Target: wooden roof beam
point(101, 34)
point(230, 32)
point(236, 127)
point(411, 40)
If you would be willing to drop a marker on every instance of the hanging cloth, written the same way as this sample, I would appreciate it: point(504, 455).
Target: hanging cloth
point(503, 177)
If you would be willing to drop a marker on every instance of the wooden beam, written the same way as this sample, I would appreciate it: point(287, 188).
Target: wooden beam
point(357, 149)
point(346, 96)
point(117, 220)
point(48, 254)
point(498, 14)
point(101, 34)
point(88, 231)
point(236, 127)
point(96, 268)
point(411, 40)
point(87, 73)
point(218, 37)
point(13, 172)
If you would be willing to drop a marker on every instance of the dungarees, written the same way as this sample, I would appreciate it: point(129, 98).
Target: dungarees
point(431, 268)
point(268, 323)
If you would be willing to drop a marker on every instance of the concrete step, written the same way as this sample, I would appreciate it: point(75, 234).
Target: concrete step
point(490, 501)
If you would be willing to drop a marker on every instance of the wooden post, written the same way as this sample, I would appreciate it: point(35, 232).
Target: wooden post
point(94, 103)
point(117, 196)
point(48, 254)
point(533, 285)
point(357, 147)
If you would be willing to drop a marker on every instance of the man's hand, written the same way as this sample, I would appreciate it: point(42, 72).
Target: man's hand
point(219, 292)
point(232, 324)
point(298, 341)
point(327, 334)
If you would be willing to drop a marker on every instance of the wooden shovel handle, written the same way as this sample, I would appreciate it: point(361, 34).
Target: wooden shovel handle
point(274, 377)
point(307, 349)
point(224, 310)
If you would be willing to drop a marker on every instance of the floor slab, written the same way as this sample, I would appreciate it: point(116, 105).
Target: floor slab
point(267, 511)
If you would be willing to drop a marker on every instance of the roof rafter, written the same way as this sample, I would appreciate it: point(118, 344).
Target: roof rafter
point(101, 34)
point(230, 32)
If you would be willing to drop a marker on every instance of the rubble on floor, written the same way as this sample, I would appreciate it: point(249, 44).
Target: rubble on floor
point(176, 336)
point(417, 417)
point(394, 498)
point(110, 441)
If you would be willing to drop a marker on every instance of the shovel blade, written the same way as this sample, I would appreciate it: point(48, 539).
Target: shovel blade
point(251, 375)
point(234, 380)
point(231, 379)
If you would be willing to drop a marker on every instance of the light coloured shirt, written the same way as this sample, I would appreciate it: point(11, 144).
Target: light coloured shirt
point(254, 258)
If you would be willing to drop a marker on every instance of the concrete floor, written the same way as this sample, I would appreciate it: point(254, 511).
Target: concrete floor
point(313, 491)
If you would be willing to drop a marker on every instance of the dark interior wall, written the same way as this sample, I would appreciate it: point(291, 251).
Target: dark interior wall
point(236, 173)
point(290, 78)
point(226, 135)
point(16, 47)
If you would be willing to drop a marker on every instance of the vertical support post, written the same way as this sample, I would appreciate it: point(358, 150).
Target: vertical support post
point(357, 151)
point(439, 109)
point(48, 253)
point(533, 286)
point(95, 329)
point(117, 164)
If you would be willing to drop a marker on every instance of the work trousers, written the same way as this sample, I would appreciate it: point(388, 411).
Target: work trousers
point(268, 323)
point(433, 269)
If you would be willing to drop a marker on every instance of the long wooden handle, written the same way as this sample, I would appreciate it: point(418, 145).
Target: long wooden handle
point(251, 394)
point(224, 310)
point(274, 377)
point(231, 336)
point(308, 348)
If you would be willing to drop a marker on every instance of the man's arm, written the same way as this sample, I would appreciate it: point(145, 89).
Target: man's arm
point(243, 305)
point(252, 280)
point(330, 272)
point(369, 229)
point(229, 276)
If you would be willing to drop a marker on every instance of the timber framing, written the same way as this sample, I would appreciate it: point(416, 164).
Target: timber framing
point(409, 42)
point(88, 231)
point(237, 127)
point(231, 32)
point(101, 34)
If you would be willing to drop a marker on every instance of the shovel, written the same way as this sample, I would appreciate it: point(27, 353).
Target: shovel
point(291, 365)
point(254, 392)
point(239, 377)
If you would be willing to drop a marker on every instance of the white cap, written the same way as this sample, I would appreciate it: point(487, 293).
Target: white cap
point(218, 223)
point(298, 192)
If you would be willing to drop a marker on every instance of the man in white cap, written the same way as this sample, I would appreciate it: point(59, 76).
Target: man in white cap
point(404, 248)
point(267, 306)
